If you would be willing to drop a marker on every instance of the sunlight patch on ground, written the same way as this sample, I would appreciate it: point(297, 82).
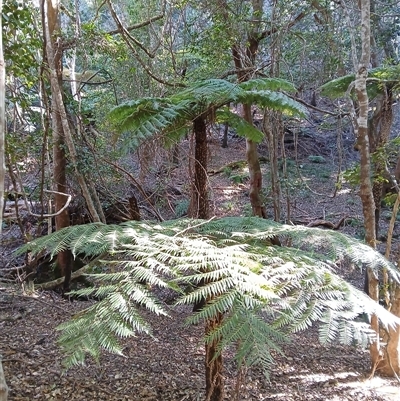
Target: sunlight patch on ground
point(231, 190)
point(344, 191)
point(383, 387)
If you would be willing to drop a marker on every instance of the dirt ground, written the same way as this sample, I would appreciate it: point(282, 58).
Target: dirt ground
point(170, 366)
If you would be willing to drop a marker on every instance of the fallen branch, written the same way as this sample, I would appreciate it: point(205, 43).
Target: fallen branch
point(328, 224)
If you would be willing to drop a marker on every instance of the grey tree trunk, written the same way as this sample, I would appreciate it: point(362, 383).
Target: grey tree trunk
point(366, 193)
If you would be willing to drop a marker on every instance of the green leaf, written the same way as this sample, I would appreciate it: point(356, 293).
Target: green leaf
point(242, 127)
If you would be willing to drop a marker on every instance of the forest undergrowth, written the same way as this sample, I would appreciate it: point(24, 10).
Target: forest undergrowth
point(170, 366)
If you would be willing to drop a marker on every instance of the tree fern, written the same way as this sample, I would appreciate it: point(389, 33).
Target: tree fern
point(169, 117)
point(274, 101)
point(262, 290)
point(339, 86)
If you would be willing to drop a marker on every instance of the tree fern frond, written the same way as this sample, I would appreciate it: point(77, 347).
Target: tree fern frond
point(274, 101)
point(255, 338)
point(242, 127)
point(271, 84)
point(211, 92)
point(231, 264)
point(376, 77)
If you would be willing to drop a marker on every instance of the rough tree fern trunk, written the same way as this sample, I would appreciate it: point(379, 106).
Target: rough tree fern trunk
point(214, 365)
point(199, 198)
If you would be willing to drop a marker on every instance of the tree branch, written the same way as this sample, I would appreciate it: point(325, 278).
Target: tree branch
point(275, 29)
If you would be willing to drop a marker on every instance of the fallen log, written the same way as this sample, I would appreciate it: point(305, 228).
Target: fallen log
point(328, 224)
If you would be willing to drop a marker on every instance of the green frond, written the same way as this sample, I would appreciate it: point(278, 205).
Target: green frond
point(271, 84)
point(114, 316)
point(170, 117)
point(208, 93)
point(242, 127)
point(254, 336)
point(377, 77)
point(337, 87)
point(145, 118)
point(264, 291)
point(274, 101)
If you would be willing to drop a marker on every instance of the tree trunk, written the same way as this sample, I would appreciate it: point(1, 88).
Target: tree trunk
point(271, 127)
point(225, 137)
point(199, 202)
point(366, 194)
point(253, 162)
point(214, 365)
point(2, 121)
point(390, 363)
point(53, 55)
point(380, 125)
point(255, 174)
point(246, 58)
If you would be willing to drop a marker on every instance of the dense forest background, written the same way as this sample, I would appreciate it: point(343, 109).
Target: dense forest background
point(229, 164)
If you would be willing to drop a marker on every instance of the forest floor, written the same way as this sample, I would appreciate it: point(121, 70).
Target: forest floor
point(170, 366)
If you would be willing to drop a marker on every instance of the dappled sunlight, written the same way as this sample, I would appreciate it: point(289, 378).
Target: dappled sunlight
point(344, 191)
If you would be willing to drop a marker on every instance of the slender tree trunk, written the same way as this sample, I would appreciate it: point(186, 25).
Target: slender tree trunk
point(366, 194)
point(255, 174)
point(199, 207)
point(214, 365)
point(53, 55)
point(253, 162)
point(272, 128)
point(225, 137)
point(379, 132)
point(2, 121)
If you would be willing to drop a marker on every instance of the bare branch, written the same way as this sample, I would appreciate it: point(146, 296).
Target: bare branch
point(136, 26)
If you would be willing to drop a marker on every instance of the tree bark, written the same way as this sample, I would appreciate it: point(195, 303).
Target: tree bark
point(379, 126)
point(271, 127)
point(2, 121)
point(53, 55)
point(199, 207)
point(214, 365)
point(366, 193)
point(255, 174)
